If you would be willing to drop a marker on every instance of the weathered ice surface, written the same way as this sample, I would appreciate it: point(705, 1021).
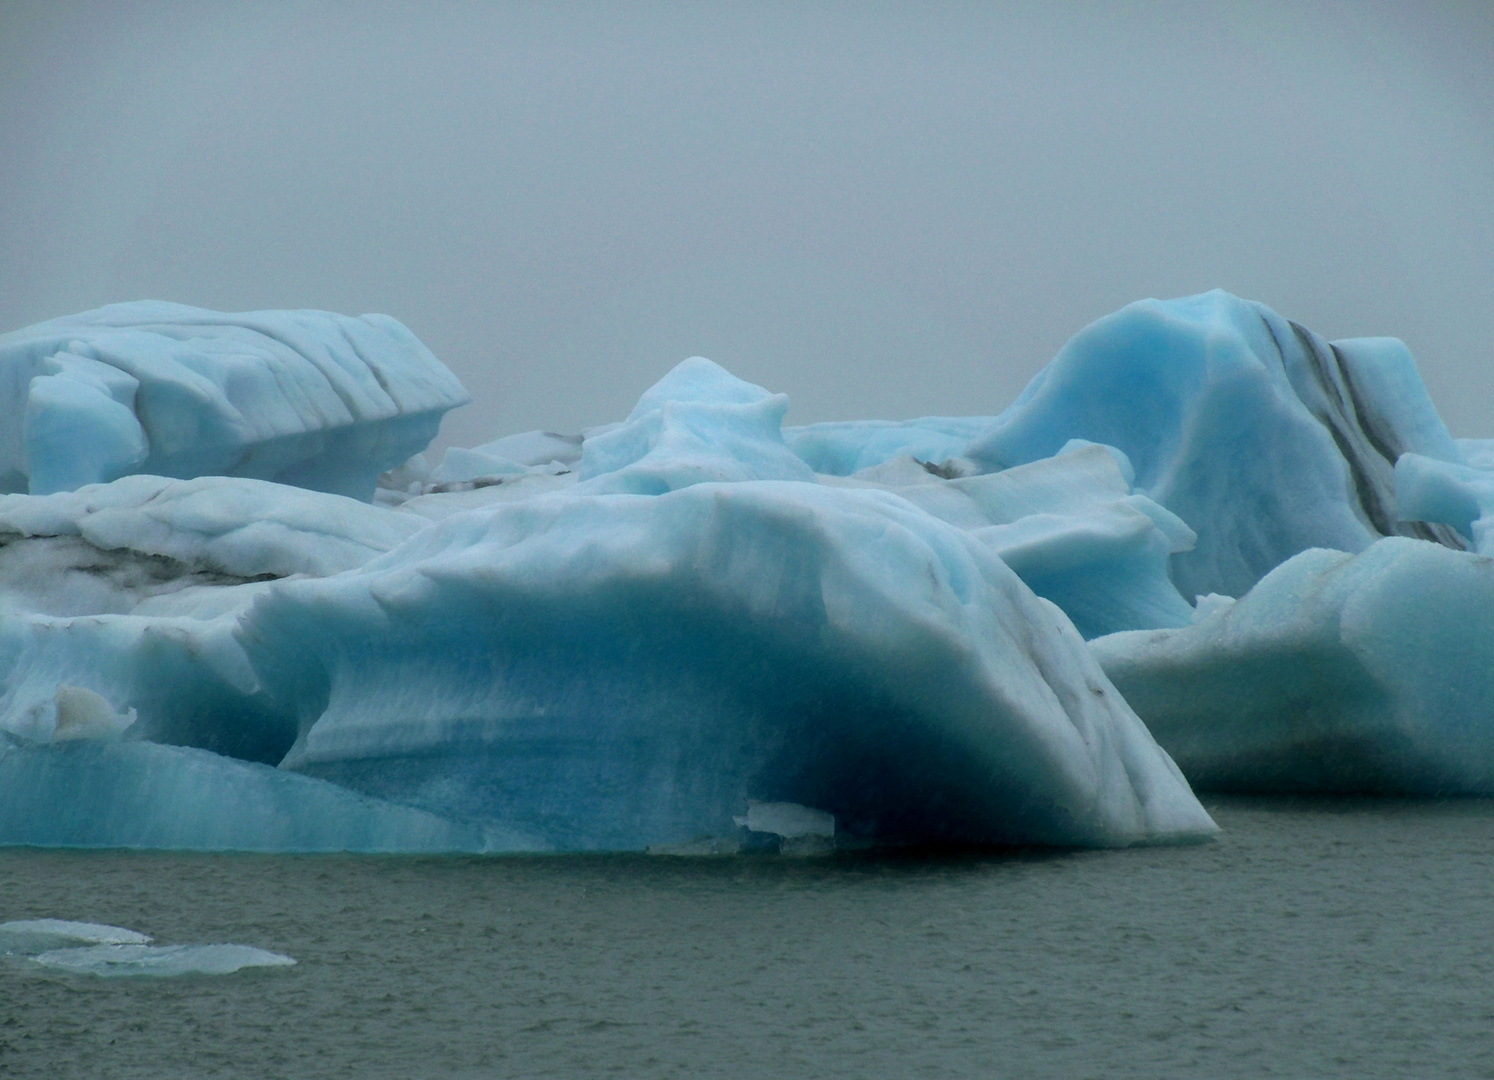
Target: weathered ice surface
point(307, 398)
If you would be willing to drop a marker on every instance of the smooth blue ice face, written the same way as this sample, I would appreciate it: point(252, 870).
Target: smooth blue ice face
point(306, 398)
point(1264, 438)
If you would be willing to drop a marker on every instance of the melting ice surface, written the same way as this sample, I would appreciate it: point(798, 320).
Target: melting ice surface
point(97, 949)
point(1200, 526)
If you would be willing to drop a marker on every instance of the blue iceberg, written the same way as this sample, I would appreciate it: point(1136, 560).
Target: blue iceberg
point(1264, 438)
point(300, 397)
point(1204, 548)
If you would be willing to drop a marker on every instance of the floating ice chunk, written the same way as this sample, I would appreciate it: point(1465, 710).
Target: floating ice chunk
point(619, 671)
point(143, 795)
point(463, 466)
point(1367, 673)
point(698, 424)
point(83, 714)
point(841, 448)
point(1263, 437)
point(788, 820)
point(160, 960)
point(28, 936)
point(304, 397)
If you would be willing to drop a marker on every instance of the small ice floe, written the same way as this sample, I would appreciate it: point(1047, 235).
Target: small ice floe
point(25, 937)
point(159, 960)
point(703, 846)
point(84, 714)
point(99, 949)
point(802, 830)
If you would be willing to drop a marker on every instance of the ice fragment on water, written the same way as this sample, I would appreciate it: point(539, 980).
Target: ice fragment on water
point(160, 960)
point(788, 820)
point(26, 936)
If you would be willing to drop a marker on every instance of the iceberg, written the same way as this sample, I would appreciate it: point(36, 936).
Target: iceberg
point(1264, 438)
point(306, 398)
point(1205, 548)
point(619, 671)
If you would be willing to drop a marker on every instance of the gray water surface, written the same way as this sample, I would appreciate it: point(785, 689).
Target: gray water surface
point(1312, 939)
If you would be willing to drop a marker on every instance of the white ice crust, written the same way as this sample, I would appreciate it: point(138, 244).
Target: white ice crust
point(644, 635)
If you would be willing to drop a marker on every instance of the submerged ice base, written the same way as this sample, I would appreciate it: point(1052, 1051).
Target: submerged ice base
point(640, 637)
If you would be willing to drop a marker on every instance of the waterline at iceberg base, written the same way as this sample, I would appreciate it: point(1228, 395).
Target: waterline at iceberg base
point(697, 630)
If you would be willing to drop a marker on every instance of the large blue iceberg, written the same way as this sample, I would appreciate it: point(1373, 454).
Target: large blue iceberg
point(254, 620)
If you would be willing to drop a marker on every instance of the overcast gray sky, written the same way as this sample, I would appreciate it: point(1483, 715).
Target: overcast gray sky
point(884, 211)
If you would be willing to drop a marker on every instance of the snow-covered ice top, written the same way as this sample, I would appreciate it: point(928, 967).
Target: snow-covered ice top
point(307, 398)
point(696, 626)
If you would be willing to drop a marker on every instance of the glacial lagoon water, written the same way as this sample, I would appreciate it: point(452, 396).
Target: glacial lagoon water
point(1313, 938)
